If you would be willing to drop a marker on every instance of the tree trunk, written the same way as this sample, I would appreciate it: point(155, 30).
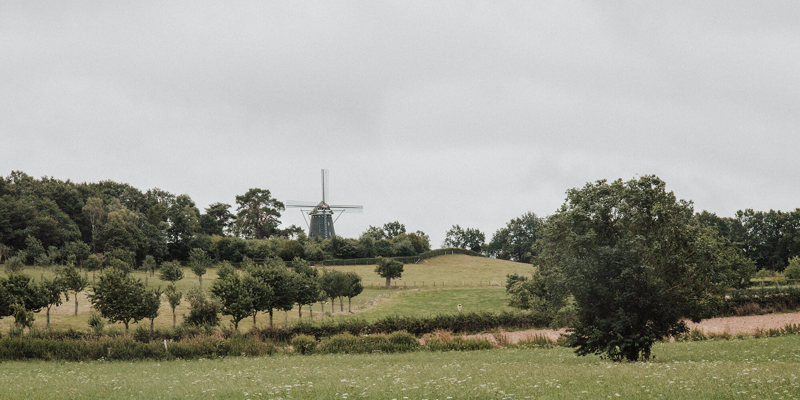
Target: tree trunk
point(200, 278)
point(333, 303)
point(126, 325)
point(300, 311)
point(174, 319)
point(311, 311)
point(48, 318)
point(349, 300)
point(254, 317)
point(388, 282)
point(341, 303)
point(270, 318)
point(285, 318)
point(152, 321)
point(76, 303)
point(236, 325)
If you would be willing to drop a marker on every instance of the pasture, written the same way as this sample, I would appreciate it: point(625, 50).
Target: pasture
point(748, 368)
point(475, 282)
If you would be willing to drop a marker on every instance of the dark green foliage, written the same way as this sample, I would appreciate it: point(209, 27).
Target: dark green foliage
point(278, 286)
point(759, 301)
point(389, 269)
point(171, 271)
point(174, 297)
point(234, 296)
point(204, 311)
point(515, 241)
point(14, 264)
point(20, 298)
point(636, 264)
point(465, 238)
point(304, 344)
point(217, 219)
point(257, 214)
point(458, 344)
point(54, 293)
point(198, 262)
point(353, 287)
point(792, 271)
point(119, 297)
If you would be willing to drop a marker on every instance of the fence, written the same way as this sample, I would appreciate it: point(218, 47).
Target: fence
point(404, 260)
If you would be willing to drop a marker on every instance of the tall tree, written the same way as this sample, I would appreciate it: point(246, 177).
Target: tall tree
point(217, 219)
point(119, 297)
point(236, 299)
point(198, 262)
point(151, 305)
point(465, 238)
point(54, 292)
point(174, 297)
point(257, 214)
point(353, 288)
point(515, 241)
point(636, 264)
point(184, 223)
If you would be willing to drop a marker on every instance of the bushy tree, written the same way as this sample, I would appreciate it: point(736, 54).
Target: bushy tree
point(234, 296)
point(14, 264)
point(119, 297)
point(217, 219)
point(281, 282)
point(389, 269)
point(149, 264)
point(334, 285)
point(636, 265)
point(257, 214)
point(72, 280)
point(20, 298)
point(203, 310)
point(465, 238)
point(151, 305)
point(515, 240)
point(792, 271)
point(171, 271)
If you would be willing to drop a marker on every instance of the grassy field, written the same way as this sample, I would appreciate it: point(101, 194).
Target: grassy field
point(750, 368)
point(475, 282)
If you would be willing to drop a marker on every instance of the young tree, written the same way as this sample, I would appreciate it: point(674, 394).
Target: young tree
point(149, 264)
point(14, 264)
point(119, 297)
point(234, 296)
point(20, 298)
point(281, 281)
point(204, 311)
point(635, 264)
point(353, 288)
point(151, 304)
point(792, 271)
point(389, 269)
point(54, 294)
point(308, 292)
point(72, 280)
point(93, 263)
point(198, 261)
point(174, 297)
point(171, 271)
point(260, 292)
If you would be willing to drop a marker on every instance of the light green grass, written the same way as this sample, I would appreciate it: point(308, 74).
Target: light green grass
point(431, 302)
point(752, 368)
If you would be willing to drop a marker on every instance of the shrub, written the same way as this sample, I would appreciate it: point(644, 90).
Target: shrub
point(141, 334)
point(459, 344)
point(792, 271)
point(403, 341)
point(304, 344)
point(341, 343)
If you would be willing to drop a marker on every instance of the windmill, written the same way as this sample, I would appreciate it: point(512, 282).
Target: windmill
point(321, 215)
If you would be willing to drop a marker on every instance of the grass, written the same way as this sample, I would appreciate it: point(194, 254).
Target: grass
point(750, 368)
point(438, 301)
point(467, 281)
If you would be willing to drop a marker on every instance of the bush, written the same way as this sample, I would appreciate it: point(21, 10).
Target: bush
point(792, 271)
point(96, 322)
point(459, 344)
point(403, 341)
point(304, 344)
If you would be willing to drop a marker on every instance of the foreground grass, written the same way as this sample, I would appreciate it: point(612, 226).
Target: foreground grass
point(751, 368)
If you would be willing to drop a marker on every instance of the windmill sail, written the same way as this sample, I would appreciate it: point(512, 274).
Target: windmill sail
point(321, 213)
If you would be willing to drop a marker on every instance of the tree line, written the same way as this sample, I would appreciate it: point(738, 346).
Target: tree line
point(768, 238)
point(49, 221)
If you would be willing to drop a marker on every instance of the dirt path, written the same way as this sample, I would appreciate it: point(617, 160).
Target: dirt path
point(733, 325)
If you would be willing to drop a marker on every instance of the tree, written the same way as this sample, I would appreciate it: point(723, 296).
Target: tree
point(20, 298)
point(119, 297)
point(334, 284)
point(353, 287)
point(72, 280)
point(260, 292)
point(151, 304)
point(93, 263)
point(149, 264)
point(14, 264)
point(54, 293)
point(217, 219)
point(392, 229)
point(281, 283)
point(34, 250)
point(389, 269)
point(198, 262)
point(174, 298)
point(204, 310)
point(515, 240)
point(257, 214)
point(96, 213)
point(234, 296)
point(184, 223)
point(792, 271)
point(308, 291)
point(171, 271)
point(636, 265)
point(465, 238)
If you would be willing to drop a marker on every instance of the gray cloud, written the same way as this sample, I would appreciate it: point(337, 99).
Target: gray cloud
point(429, 113)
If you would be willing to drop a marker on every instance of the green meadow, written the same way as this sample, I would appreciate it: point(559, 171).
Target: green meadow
point(744, 369)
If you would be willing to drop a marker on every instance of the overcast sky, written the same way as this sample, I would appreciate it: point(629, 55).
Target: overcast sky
point(430, 113)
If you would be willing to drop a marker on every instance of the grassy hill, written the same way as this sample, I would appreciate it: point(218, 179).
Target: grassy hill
point(433, 286)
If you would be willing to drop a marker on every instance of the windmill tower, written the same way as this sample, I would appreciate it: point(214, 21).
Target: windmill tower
point(321, 215)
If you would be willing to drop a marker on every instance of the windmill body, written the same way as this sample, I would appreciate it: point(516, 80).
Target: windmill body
point(321, 215)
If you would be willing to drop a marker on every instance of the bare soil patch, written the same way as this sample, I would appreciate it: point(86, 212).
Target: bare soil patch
point(733, 325)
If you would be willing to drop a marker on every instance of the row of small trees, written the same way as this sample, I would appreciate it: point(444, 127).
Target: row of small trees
point(246, 291)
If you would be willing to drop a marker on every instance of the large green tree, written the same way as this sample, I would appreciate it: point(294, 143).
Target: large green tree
point(257, 214)
point(515, 240)
point(465, 238)
point(636, 264)
point(234, 296)
point(73, 281)
point(217, 219)
point(119, 297)
point(389, 269)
